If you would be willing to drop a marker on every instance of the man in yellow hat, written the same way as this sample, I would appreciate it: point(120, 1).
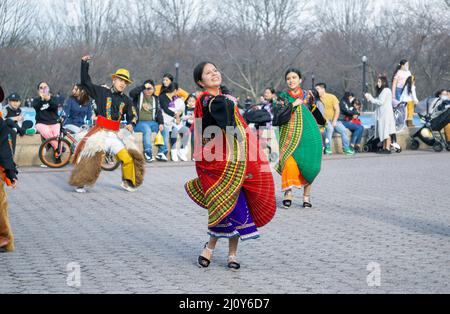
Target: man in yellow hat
point(111, 107)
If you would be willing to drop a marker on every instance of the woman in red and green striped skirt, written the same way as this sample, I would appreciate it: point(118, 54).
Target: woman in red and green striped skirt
point(234, 181)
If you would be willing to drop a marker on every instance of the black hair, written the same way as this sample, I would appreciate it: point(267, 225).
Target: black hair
point(408, 85)
point(315, 94)
point(399, 66)
point(169, 76)
point(439, 92)
point(169, 89)
point(356, 101)
point(272, 90)
point(41, 83)
point(150, 81)
point(384, 84)
point(293, 70)
point(189, 97)
point(198, 72)
point(323, 85)
point(347, 95)
point(83, 99)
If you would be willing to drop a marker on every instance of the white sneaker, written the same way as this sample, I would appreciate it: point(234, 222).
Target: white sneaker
point(44, 166)
point(80, 190)
point(161, 157)
point(127, 187)
point(183, 154)
point(174, 155)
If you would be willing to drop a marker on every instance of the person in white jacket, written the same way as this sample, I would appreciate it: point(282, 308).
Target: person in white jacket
point(385, 122)
point(409, 97)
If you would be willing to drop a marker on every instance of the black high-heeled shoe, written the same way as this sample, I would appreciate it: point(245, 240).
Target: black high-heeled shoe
point(232, 263)
point(307, 204)
point(203, 261)
point(287, 202)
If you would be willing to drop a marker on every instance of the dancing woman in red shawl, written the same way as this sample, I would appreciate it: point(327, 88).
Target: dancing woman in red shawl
point(234, 181)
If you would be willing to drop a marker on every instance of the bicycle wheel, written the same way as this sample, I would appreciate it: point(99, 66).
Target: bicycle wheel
point(110, 162)
point(55, 158)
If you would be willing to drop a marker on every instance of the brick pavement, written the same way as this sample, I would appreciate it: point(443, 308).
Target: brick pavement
point(391, 210)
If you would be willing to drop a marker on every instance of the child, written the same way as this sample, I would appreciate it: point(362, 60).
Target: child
point(15, 120)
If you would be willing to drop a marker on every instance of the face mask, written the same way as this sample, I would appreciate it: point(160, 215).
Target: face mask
point(445, 98)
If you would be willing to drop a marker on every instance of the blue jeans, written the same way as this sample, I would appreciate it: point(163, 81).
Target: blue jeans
point(184, 132)
point(340, 128)
point(147, 128)
point(357, 131)
point(398, 93)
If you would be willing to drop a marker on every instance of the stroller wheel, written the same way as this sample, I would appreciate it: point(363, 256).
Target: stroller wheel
point(438, 147)
point(398, 150)
point(366, 148)
point(415, 144)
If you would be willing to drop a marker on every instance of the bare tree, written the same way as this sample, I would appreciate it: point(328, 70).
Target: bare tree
point(89, 22)
point(16, 22)
point(259, 40)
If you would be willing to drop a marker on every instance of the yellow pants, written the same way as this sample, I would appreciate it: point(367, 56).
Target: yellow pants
point(6, 235)
point(447, 132)
point(128, 170)
point(291, 176)
point(410, 110)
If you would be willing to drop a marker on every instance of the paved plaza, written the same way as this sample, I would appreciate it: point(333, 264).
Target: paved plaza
point(380, 224)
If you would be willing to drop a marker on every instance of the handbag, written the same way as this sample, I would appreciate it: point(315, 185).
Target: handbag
point(282, 115)
point(159, 140)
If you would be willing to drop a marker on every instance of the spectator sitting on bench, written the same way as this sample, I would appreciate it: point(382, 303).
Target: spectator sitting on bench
point(150, 118)
point(15, 119)
point(332, 113)
point(47, 117)
point(348, 114)
point(77, 109)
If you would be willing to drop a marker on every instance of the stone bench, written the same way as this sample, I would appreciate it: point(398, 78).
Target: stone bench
point(403, 139)
point(155, 148)
point(28, 146)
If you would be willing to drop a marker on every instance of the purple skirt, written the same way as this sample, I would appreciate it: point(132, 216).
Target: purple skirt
point(238, 224)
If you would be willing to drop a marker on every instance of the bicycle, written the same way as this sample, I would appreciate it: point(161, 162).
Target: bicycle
point(66, 144)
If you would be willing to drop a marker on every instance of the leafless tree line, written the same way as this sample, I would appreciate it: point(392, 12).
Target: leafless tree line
point(253, 41)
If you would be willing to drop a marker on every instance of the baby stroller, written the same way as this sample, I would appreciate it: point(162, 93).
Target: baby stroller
point(374, 144)
point(399, 115)
point(436, 115)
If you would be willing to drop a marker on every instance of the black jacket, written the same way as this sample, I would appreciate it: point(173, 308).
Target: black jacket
point(46, 111)
point(346, 110)
point(218, 111)
point(164, 102)
point(6, 158)
point(136, 94)
point(108, 103)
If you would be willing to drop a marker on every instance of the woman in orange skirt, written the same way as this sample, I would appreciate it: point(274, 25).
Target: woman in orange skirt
point(300, 141)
